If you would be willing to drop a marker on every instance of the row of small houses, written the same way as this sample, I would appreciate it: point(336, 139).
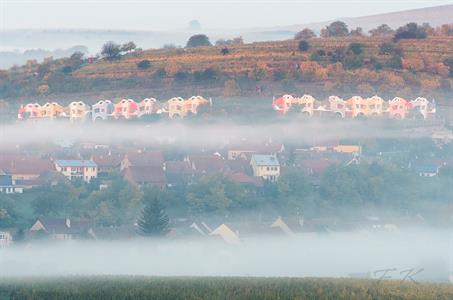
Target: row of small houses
point(60, 229)
point(18, 172)
point(357, 107)
point(354, 107)
point(106, 109)
point(251, 165)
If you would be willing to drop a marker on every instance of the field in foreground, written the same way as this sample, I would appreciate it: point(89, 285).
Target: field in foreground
point(137, 287)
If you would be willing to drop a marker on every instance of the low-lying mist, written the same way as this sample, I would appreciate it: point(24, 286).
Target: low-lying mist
point(212, 134)
point(328, 255)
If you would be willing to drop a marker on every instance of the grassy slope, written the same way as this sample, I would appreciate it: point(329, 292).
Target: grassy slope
point(217, 288)
point(245, 57)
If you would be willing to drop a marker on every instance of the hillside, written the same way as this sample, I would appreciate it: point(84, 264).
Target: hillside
point(408, 68)
point(435, 16)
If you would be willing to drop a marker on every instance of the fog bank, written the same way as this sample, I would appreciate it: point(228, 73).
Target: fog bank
point(329, 255)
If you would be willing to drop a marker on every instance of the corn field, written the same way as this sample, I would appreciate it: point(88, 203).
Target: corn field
point(137, 287)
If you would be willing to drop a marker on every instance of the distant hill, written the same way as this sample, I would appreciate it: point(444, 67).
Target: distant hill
point(93, 39)
point(436, 16)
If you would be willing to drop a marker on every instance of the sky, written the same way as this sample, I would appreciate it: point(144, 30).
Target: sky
point(176, 14)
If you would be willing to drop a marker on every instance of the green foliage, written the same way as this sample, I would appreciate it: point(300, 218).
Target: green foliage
point(449, 63)
point(335, 29)
point(218, 288)
point(395, 62)
point(351, 62)
point(144, 64)
point(356, 48)
point(304, 46)
point(154, 221)
point(111, 51)
point(7, 211)
point(305, 34)
point(390, 49)
point(382, 30)
point(128, 47)
point(410, 31)
point(198, 40)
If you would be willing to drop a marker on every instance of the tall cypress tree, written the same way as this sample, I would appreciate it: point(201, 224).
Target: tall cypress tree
point(154, 220)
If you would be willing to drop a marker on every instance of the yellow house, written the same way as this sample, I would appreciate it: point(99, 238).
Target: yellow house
point(85, 170)
point(375, 106)
point(265, 166)
point(351, 149)
point(337, 106)
point(358, 106)
point(51, 110)
point(176, 107)
point(77, 110)
point(306, 103)
point(228, 235)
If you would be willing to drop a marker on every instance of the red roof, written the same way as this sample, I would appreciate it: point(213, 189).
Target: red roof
point(109, 160)
point(146, 175)
point(207, 164)
point(151, 159)
point(15, 164)
point(178, 167)
point(243, 178)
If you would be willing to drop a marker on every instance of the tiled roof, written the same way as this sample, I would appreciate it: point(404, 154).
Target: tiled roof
point(265, 160)
point(155, 158)
point(178, 167)
point(75, 163)
point(242, 178)
point(207, 164)
point(17, 164)
point(108, 160)
point(145, 175)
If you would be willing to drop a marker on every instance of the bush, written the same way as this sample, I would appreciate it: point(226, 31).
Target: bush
point(395, 62)
point(389, 49)
point(410, 31)
point(111, 51)
point(352, 62)
point(144, 64)
point(305, 34)
point(356, 48)
point(198, 40)
point(449, 63)
point(304, 46)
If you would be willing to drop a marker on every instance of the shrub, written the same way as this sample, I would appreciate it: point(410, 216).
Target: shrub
point(449, 63)
point(304, 46)
point(335, 29)
point(356, 48)
point(198, 40)
point(111, 51)
point(410, 31)
point(144, 64)
point(305, 34)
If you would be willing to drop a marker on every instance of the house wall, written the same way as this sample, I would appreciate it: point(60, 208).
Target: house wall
point(266, 172)
point(84, 173)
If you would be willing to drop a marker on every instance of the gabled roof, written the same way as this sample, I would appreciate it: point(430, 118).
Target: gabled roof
point(76, 163)
point(145, 175)
point(18, 164)
point(108, 160)
point(177, 167)
point(243, 178)
point(226, 234)
point(207, 164)
point(265, 160)
point(155, 158)
point(64, 226)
